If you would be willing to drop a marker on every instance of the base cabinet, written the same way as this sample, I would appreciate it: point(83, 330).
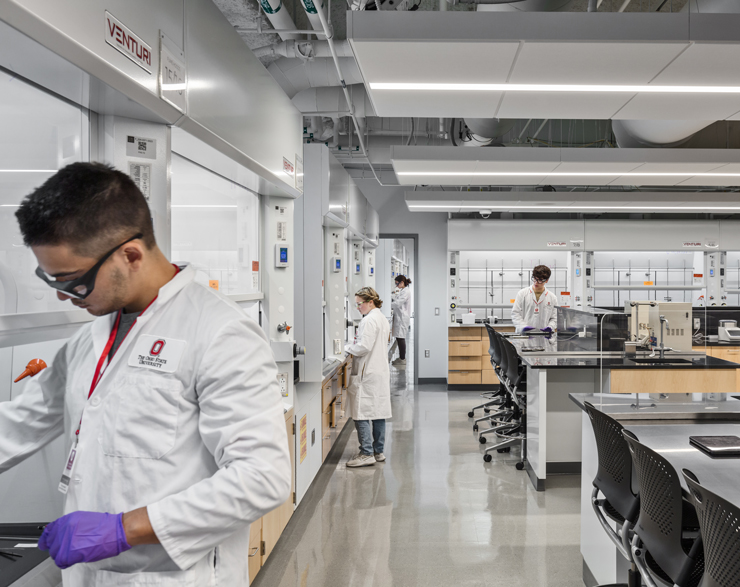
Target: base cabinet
point(469, 362)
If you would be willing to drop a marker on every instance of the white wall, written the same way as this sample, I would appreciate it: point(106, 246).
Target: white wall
point(430, 282)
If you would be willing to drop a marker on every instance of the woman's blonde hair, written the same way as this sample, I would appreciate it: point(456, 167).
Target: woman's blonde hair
point(368, 294)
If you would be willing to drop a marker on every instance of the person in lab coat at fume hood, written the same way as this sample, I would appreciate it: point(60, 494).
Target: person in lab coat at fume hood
point(370, 385)
point(535, 307)
point(168, 401)
point(401, 306)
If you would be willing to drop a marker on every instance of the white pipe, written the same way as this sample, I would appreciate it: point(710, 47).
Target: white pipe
point(624, 5)
point(329, 38)
point(279, 18)
point(303, 49)
point(312, 13)
point(544, 122)
point(295, 75)
point(331, 101)
point(654, 133)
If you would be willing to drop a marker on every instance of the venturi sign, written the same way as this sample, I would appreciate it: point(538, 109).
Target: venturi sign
point(121, 38)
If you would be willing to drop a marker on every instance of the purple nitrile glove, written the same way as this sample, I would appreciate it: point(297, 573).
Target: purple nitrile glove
point(546, 329)
point(84, 537)
point(527, 328)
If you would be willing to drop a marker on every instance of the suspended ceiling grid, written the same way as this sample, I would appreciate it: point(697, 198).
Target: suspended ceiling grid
point(684, 49)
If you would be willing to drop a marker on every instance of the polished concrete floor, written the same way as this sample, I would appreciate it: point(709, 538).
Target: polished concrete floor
point(434, 514)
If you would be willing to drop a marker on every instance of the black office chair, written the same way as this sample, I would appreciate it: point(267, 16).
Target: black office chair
point(720, 531)
point(667, 546)
point(511, 431)
point(494, 397)
point(501, 395)
point(614, 480)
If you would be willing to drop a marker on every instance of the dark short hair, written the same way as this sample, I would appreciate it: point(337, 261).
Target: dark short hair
point(406, 280)
point(88, 206)
point(541, 272)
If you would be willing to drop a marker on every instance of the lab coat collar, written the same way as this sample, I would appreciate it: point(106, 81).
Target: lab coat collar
point(103, 325)
point(542, 296)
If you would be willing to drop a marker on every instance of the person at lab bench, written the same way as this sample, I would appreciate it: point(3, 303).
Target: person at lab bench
point(168, 401)
point(535, 307)
point(370, 385)
point(401, 306)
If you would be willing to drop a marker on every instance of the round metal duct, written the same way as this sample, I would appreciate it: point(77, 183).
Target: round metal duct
point(489, 127)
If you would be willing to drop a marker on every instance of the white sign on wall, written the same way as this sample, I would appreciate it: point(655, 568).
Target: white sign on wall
point(121, 38)
point(173, 78)
point(693, 245)
point(299, 173)
point(141, 147)
point(141, 173)
point(288, 168)
point(557, 244)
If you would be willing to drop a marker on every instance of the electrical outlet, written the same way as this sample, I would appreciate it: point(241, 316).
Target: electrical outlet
point(337, 346)
point(436, 311)
point(283, 383)
point(697, 323)
point(426, 354)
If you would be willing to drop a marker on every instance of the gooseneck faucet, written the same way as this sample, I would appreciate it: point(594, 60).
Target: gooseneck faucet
point(662, 346)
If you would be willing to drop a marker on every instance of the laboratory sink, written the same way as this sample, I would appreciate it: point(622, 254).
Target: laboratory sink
point(659, 361)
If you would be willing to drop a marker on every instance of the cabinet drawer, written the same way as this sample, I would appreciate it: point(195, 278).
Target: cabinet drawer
point(464, 333)
point(728, 354)
point(485, 363)
point(505, 328)
point(464, 348)
point(255, 547)
point(464, 377)
point(464, 364)
point(489, 378)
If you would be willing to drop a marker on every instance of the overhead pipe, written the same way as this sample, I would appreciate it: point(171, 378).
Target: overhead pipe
point(335, 57)
point(593, 6)
point(331, 101)
point(279, 19)
point(312, 13)
point(656, 133)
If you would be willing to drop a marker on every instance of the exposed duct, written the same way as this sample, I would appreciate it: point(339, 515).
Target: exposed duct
point(487, 130)
point(712, 6)
point(330, 101)
point(655, 133)
point(525, 6)
point(296, 75)
point(306, 50)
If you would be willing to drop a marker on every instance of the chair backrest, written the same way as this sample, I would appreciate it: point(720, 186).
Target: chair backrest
point(720, 531)
point(494, 350)
point(661, 510)
point(512, 366)
point(504, 358)
point(614, 477)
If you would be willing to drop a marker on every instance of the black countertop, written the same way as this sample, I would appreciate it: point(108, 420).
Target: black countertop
point(17, 561)
point(621, 407)
point(550, 361)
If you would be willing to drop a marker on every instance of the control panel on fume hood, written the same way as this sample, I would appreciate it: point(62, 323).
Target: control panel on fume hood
point(371, 271)
point(282, 255)
point(357, 269)
point(336, 264)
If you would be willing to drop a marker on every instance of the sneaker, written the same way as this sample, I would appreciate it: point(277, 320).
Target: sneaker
point(399, 363)
point(379, 457)
point(361, 460)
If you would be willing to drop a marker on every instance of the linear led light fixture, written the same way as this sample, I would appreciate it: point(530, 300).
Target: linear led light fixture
point(486, 206)
point(565, 174)
point(581, 88)
point(201, 206)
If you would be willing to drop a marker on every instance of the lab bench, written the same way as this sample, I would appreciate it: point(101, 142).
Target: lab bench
point(665, 428)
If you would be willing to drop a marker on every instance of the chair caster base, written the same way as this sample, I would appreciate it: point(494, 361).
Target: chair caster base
point(487, 458)
point(475, 428)
point(502, 450)
point(471, 414)
point(486, 410)
point(482, 440)
point(520, 466)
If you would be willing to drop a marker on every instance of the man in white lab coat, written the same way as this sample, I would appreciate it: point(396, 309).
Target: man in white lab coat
point(168, 401)
point(401, 306)
point(535, 307)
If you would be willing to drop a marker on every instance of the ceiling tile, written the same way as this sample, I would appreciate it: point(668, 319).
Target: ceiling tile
point(680, 107)
point(705, 64)
point(566, 105)
point(401, 103)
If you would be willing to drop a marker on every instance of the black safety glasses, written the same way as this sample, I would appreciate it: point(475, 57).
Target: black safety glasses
point(83, 286)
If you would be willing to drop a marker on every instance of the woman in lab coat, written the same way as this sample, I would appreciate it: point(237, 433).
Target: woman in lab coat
point(401, 306)
point(370, 389)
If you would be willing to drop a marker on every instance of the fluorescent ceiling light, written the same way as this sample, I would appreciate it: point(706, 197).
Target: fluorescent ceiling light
point(564, 174)
point(629, 89)
point(201, 206)
point(486, 206)
point(28, 170)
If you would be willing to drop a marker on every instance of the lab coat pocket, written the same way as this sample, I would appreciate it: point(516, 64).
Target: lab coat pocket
point(140, 417)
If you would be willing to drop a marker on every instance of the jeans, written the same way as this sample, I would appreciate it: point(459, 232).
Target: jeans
point(371, 442)
point(401, 348)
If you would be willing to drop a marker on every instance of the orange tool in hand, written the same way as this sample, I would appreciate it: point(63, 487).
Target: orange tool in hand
point(34, 367)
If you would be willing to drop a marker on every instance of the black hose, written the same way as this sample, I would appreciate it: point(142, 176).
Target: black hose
point(411, 136)
point(452, 132)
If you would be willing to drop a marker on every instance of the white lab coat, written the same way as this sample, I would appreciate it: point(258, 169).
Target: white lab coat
point(401, 307)
point(370, 385)
point(527, 311)
point(203, 446)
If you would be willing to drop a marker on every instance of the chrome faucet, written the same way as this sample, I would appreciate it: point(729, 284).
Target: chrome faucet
point(662, 346)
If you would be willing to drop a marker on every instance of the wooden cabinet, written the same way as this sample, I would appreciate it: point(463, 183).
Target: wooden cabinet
point(731, 354)
point(468, 362)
